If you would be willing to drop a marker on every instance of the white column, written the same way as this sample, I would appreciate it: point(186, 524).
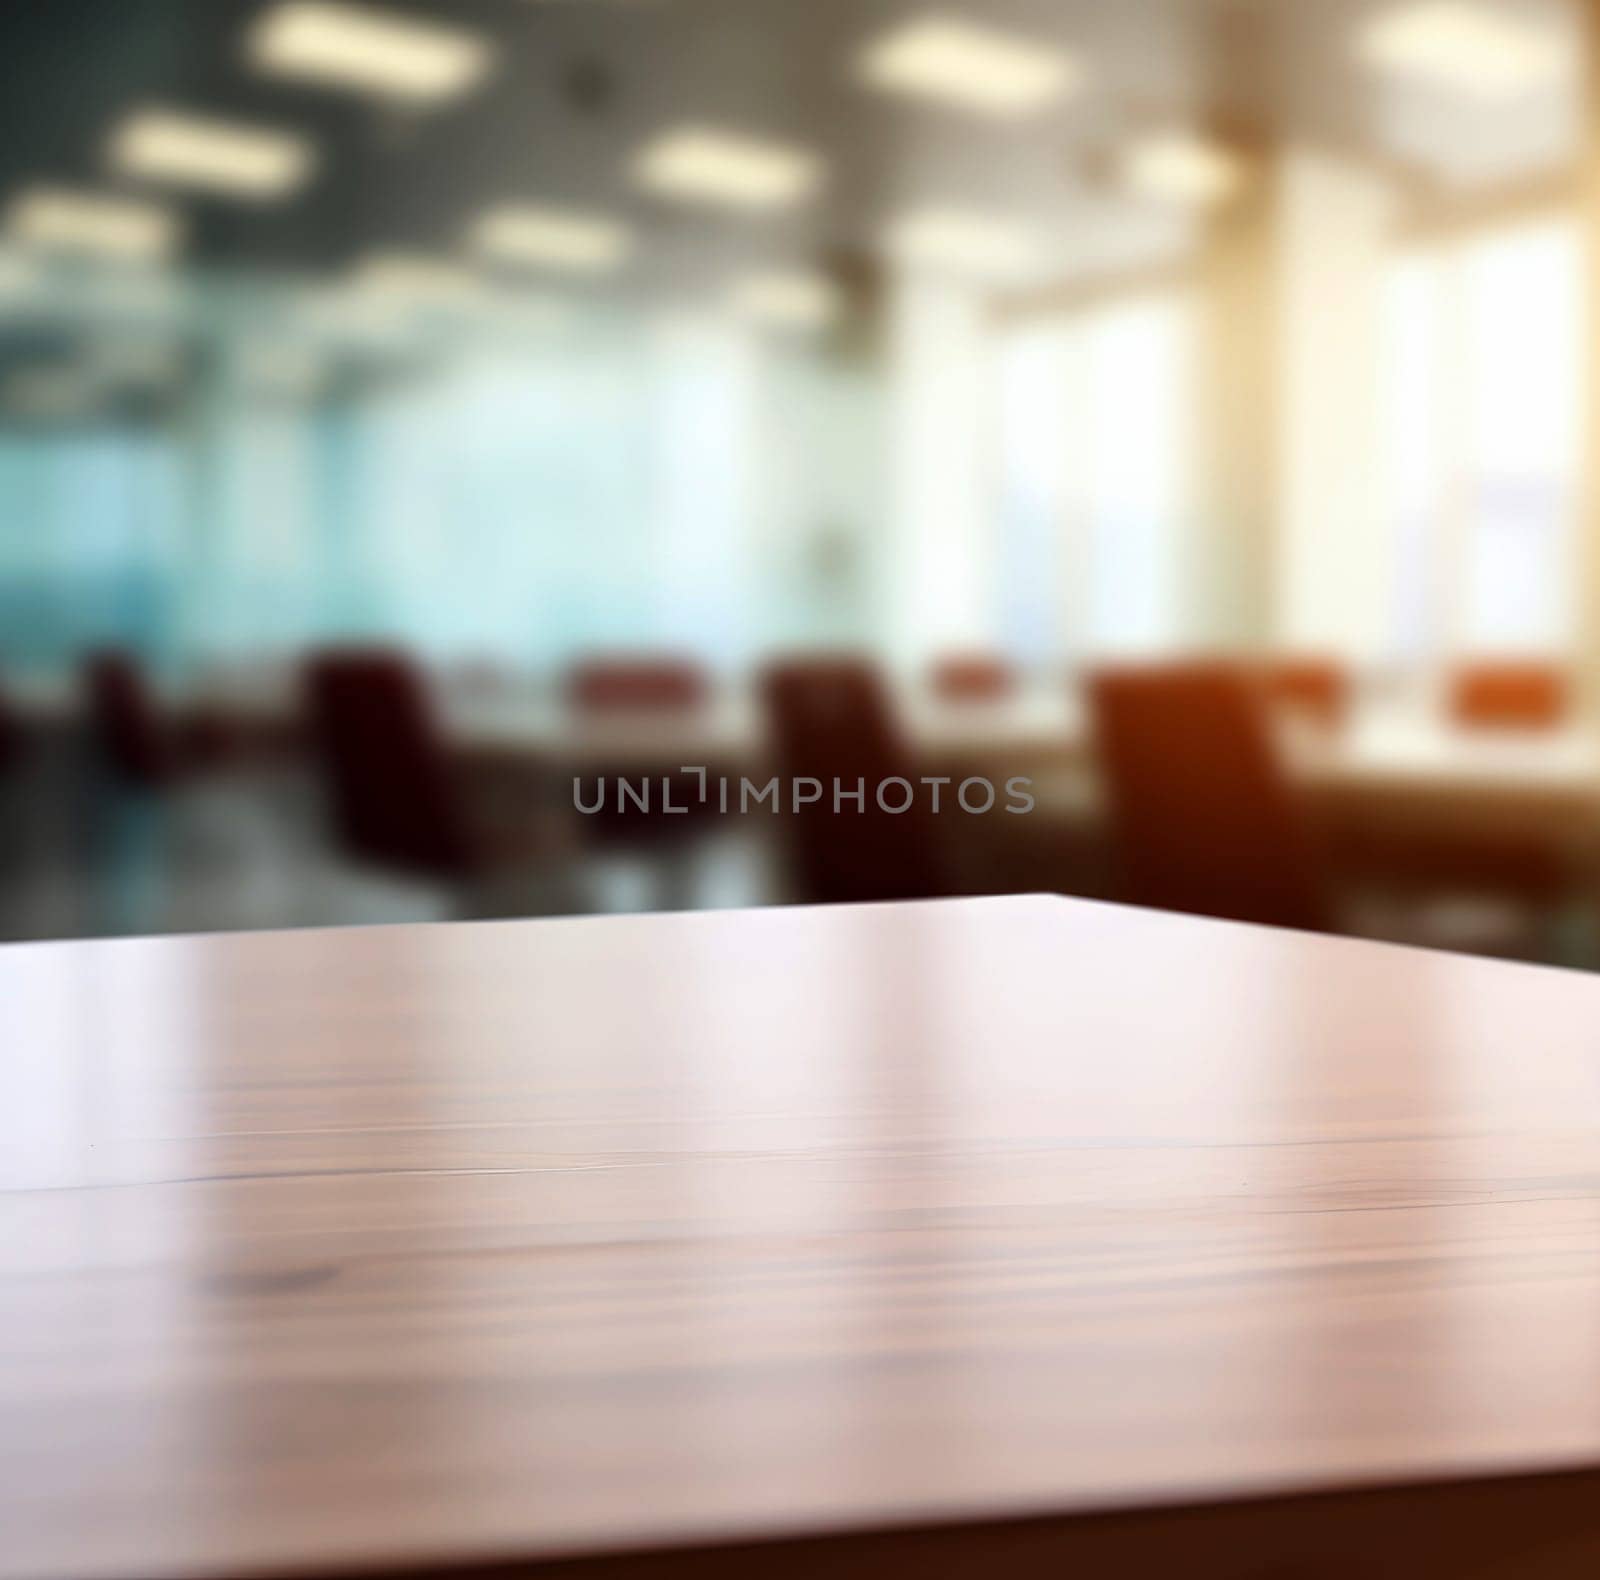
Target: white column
point(940, 561)
point(1589, 512)
point(1335, 570)
point(1292, 549)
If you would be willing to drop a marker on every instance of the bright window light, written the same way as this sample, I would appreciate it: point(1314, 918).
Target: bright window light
point(970, 67)
point(56, 219)
point(1467, 47)
point(788, 300)
point(368, 51)
point(552, 238)
point(212, 155)
point(954, 241)
point(700, 165)
point(1178, 167)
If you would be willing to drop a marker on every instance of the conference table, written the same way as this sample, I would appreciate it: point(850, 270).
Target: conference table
point(1006, 1236)
point(1387, 755)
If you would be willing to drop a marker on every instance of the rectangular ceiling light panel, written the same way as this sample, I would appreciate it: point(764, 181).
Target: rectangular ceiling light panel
point(552, 238)
point(91, 224)
point(1467, 47)
point(727, 169)
point(966, 66)
point(211, 155)
point(368, 51)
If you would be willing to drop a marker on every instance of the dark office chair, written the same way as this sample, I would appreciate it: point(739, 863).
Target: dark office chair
point(11, 734)
point(135, 739)
point(1510, 695)
point(396, 797)
point(973, 677)
point(1205, 819)
point(832, 720)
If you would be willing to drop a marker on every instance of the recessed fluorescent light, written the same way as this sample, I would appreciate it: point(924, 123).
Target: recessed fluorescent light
point(788, 301)
point(552, 238)
point(700, 165)
point(215, 156)
point(57, 219)
point(1178, 167)
point(368, 51)
point(1471, 48)
point(971, 67)
point(415, 279)
point(955, 241)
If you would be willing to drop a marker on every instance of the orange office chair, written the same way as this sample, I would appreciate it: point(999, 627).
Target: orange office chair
point(1510, 695)
point(831, 719)
point(1313, 688)
point(1205, 819)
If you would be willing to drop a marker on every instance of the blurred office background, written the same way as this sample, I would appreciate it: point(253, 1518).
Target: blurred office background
point(409, 408)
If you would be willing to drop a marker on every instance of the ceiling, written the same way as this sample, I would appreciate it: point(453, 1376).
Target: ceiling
point(581, 84)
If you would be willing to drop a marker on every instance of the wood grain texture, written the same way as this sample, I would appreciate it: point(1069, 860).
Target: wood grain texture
point(429, 1248)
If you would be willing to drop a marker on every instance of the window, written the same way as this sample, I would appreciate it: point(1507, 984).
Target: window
point(1483, 404)
point(1095, 480)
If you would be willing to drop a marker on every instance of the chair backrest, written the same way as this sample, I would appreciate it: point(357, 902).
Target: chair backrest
point(831, 720)
point(10, 733)
point(1205, 819)
point(393, 791)
point(1510, 695)
point(973, 677)
point(1314, 688)
point(128, 728)
point(614, 685)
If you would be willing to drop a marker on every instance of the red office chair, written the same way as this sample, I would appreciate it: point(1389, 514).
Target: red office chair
point(612, 685)
point(831, 720)
point(1510, 695)
point(1205, 819)
point(973, 677)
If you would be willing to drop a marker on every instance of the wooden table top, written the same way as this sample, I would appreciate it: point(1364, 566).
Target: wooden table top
point(420, 1248)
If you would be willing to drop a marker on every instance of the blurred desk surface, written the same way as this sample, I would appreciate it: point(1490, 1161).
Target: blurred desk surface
point(1189, 1246)
point(1384, 754)
point(731, 733)
point(1388, 759)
